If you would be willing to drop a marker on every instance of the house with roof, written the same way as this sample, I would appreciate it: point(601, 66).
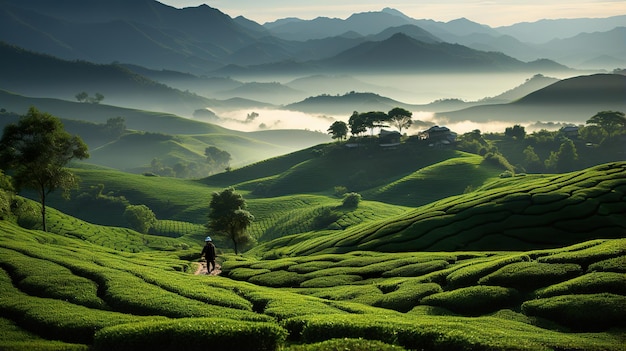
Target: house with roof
point(388, 138)
point(438, 136)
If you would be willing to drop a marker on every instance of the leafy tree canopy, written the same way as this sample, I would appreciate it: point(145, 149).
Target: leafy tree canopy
point(36, 150)
point(228, 216)
point(610, 121)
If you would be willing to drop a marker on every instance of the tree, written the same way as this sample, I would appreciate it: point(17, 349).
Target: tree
point(97, 99)
point(217, 157)
point(532, 162)
point(228, 216)
point(140, 218)
point(610, 121)
point(37, 149)
point(567, 157)
point(375, 119)
point(115, 127)
point(400, 118)
point(338, 130)
point(517, 132)
point(82, 96)
point(357, 123)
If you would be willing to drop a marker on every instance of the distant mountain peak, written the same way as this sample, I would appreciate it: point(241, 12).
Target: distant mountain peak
point(394, 12)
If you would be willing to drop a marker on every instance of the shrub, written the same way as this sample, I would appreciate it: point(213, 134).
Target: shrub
point(278, 279)
point(346, 344)
point(592, 283)
point(475, 300)
point(469, 275)
point(407, 296)
point(192, 334)
point(351, 200)
point(531, 275)
point(592, 312)
point(326, 282)
point(416, 269)
point(587, 256)
point(246, 273)
point(615, 264)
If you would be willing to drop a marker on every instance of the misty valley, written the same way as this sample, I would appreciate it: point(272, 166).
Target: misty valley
point(179, 179)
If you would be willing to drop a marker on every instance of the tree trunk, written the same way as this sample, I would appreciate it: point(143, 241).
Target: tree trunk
point(43, 211)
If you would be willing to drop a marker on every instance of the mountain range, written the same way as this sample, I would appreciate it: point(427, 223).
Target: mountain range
point(202, 39)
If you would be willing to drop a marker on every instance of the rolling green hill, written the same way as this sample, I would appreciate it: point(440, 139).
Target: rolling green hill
point(572, 100)
point(178, 140)
point(509, 214)
point(86, 287)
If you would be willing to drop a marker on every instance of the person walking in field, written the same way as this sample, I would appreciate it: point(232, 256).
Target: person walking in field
point(209, 254)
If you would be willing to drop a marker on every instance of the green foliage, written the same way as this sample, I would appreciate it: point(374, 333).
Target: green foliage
point(193, 333)
point(407, 296)
point(531, 275)
point(140, 217)
point(351, 200)
point(591, 283)
point(474, 300)
point(610, 121)
point(472, 273)
point(346, 344)
point(278, 279)
point(228, 216)
point(588, 312)
point(37, 149)
point(335, 280)
point(338, 130)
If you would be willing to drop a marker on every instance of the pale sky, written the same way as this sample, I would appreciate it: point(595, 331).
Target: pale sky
point(494, 13)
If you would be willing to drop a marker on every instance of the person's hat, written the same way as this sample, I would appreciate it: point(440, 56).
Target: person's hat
point(208, 238)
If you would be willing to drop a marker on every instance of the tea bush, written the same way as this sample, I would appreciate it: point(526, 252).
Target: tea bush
point(416, 269)
point(474, 300)
point(615, 264)
point(346, 344)
point(587, 256)
point(470, 274)
point(528, 276)
point(326, 282)
point(192, 334)
point(278, 279)
point(591, 283)
point(588, 312)
point(407, 296)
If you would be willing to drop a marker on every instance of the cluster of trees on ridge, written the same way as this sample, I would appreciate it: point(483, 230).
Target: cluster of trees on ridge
point(360, 122)
point(604, 129)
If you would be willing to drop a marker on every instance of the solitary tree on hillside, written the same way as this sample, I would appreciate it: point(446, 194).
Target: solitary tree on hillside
point(400, 118)
point(228, 216)
point(82, 96)
point(140, 218)
point(216, 157)
point(37, 149)
point(610, 121)
point(338, 130)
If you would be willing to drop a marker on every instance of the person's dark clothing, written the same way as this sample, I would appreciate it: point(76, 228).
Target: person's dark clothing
point(209, 254)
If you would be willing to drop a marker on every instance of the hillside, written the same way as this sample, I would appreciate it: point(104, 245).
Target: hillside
point(157, 134)
point(143, 32)
point(33, 74)
point(85, 287)
point(512, 214)
point(572, 100)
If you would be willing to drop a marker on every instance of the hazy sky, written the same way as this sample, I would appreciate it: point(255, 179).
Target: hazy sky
point(491, 12)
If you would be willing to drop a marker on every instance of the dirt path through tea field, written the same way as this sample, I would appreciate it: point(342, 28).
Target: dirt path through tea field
point(201, 269)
